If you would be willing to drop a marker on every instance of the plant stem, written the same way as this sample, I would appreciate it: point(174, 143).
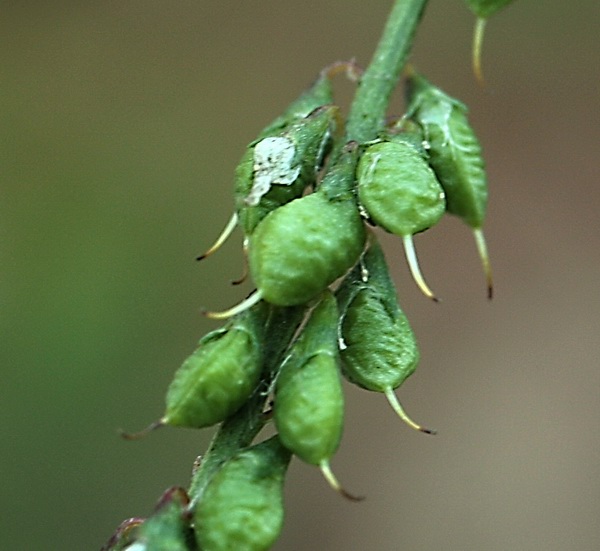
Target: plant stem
point(365, 119)
point(371, 100)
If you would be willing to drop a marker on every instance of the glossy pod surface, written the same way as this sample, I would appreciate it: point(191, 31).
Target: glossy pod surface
point(242, 506)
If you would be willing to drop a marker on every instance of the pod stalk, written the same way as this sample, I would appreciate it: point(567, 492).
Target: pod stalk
point(393, 400)
point(334, 483)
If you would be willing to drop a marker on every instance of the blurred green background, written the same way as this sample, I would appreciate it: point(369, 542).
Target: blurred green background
point(122, 123)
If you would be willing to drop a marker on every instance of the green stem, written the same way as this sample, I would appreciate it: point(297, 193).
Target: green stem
point(365, 119)
point(372, 97)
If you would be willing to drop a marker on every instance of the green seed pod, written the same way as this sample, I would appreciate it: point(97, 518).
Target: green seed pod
point(277, 169)
point(455, 155)
point(283, 160)
point(242, 506)
point(319, 93)
point(220, 375)
point(167, 529)
point(378, 347)
point(399, 192)
point(299, 249)
point(309, 402)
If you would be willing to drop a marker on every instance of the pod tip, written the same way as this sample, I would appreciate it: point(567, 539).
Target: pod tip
point(253, 299)
point(485, 260)
point(334, 483)
point(227, 231)
point(144, 432)
point(415, 270)
point(393, 400)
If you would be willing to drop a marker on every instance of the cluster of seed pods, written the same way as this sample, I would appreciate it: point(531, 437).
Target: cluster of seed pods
point(304, 200)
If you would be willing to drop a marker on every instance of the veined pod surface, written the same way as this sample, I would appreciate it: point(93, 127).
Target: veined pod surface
point(241, 509)
point(455, 156)
point(242, 506)
point(299, 249)
point(400, 193)
point(378, 347)
point(309, 401)
point(220, 375)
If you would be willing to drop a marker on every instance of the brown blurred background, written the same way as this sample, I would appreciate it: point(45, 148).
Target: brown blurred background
point(121, 125)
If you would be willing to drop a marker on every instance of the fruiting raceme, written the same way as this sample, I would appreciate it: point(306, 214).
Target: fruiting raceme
point(399, 192)
point(455, 156)
point(378, 347)
point(309, 402)
point(242, 506)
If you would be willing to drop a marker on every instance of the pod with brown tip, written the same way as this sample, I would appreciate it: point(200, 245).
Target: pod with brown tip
point(400, 193)
point(242, 506)
point(309, 402)
point(455, 156)
point(377, 346)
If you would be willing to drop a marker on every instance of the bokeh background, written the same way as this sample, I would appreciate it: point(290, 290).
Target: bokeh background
point(121, 125)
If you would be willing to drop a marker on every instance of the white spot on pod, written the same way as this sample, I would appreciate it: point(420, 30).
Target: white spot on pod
point(273, 158)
